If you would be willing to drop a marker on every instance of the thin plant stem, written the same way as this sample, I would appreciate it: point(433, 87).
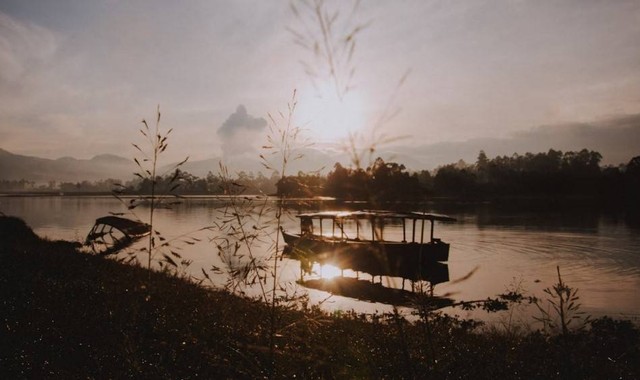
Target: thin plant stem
point(153, 188)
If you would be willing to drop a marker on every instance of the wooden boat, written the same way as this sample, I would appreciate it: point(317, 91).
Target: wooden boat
point(373, 254)
point(110, 234)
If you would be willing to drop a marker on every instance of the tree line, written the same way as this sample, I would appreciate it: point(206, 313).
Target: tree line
point(551, 173)
point(188, 184)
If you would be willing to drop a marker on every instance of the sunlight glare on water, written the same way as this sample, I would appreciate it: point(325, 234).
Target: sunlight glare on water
point(326, 271)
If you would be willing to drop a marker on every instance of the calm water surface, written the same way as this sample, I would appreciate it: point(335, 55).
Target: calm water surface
point(598, 254)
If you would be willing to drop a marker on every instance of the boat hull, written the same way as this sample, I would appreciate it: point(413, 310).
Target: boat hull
point(407, 260)
point(111, 234)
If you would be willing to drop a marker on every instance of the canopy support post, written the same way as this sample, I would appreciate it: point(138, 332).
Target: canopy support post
point(432, 223)
point(413, 236)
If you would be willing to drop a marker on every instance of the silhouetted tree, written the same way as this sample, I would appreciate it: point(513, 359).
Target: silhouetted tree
point(425, 180)
point(382, 181)
point(451, 181)
point(338, 181)
point(632, 185)
point(482, 167)
point(302, 185)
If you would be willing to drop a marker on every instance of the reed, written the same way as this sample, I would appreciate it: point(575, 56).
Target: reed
point(562, 308)
point(329, 38)
point(283, 141)
point(245, 226)
point(155, 193)
point(241, 228)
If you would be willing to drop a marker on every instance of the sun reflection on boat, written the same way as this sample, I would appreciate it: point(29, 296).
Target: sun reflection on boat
point(328, 271)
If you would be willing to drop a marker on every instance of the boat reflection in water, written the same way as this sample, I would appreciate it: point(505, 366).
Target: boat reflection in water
point(341, 245)
point(372, 290)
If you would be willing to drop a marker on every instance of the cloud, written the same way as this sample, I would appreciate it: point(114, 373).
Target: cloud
point(616, 138)
point(240, 132)
point(241, 120)
point(23, 46)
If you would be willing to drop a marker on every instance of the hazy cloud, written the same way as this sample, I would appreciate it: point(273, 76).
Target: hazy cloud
point(22, 47)
point(616, 138)
point(241, 120)
point(240, 132)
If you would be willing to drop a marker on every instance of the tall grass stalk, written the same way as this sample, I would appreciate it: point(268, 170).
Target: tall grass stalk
point(241, 228)
point(148, 161)
point(331, 40)
point(244, 224)
point(283, 143)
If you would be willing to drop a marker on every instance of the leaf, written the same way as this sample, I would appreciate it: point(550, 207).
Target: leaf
point(175, 176)
point(169, 260)
point(183, 161)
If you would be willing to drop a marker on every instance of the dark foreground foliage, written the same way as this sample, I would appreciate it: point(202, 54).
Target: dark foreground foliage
point(65, 314)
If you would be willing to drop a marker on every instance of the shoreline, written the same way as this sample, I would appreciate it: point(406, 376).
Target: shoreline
point(68, 314)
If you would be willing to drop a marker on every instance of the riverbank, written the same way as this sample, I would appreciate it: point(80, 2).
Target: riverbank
point(67, 314)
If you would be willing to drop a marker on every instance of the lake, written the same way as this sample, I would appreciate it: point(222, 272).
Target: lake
point(598, 253)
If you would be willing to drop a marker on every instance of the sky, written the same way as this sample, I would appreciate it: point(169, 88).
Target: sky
point(77, 77)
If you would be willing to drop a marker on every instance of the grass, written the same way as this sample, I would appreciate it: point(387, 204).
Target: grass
point(148, 163)
point(66, 314)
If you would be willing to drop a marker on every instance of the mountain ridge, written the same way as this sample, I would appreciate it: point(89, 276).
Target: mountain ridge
point(64, 169)
point(616, 139)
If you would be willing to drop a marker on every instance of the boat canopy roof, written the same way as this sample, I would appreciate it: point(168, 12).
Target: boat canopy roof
point(376, 214)
point(127, 226)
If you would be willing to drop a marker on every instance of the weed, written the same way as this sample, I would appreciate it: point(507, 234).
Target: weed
point(246, 226)
point(155, 196)
point(241, 228)
point(563, 307)
point(331, 41)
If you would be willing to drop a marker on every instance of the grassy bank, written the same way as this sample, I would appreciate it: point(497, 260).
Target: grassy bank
point(64, 314)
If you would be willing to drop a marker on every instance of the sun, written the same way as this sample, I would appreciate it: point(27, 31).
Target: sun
point(326, 271)
point(328, 116)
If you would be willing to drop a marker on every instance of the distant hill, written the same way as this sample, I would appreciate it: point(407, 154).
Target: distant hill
point(311, 160)
point(616, 139)
point(67, 169)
